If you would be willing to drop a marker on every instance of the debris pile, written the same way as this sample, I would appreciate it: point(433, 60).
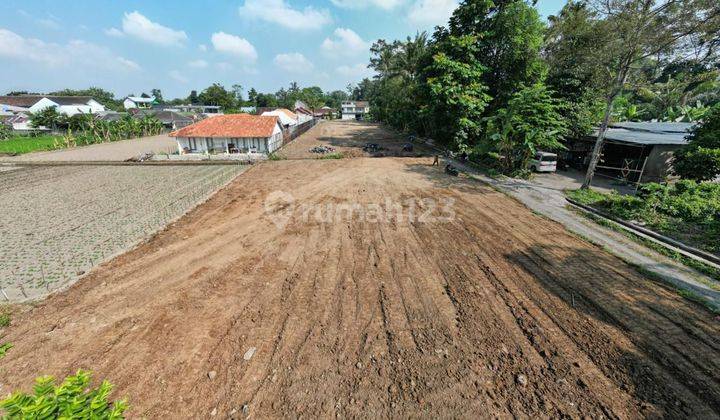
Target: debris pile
point(322, 149)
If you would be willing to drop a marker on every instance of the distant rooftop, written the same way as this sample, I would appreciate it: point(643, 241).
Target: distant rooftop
point(26, 101)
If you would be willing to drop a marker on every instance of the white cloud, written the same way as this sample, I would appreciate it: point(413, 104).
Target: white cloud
point(362, 4)
point(202, 47)
point(234, 45)
point(178, 77)
point(50, 22)
point(198, 64)
point(280, 12)
point(357, 71)
point(293, 62)
point(138, 26)
point(344, 42)
point(431, 12)
point(75, 53)
point(114, 32)
point(223, 66)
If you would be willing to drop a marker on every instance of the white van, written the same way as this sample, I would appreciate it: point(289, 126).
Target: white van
point(544, 162)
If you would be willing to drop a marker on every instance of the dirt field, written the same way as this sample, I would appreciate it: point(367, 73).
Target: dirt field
point(56, 223)
point(474, 308)
point(348, 138)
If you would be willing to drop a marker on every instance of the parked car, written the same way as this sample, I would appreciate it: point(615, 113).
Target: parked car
point(544, 162)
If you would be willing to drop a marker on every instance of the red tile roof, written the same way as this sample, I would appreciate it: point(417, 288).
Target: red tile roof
point(230, 126)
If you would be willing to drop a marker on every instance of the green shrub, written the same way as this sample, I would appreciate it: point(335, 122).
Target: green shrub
point(4, 320)
point(4, 348)
point(686, 209)
point(700, 160)
point(73, 399)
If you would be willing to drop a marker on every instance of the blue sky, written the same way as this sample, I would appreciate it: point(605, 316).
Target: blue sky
point(132, 46)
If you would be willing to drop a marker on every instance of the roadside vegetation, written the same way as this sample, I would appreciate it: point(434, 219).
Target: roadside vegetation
point(687, 211)
point(72, 399)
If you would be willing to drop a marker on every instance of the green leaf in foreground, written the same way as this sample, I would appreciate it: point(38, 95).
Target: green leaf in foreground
point(71, 399)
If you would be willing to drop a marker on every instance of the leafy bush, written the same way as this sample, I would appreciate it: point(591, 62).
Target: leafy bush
point(700, 160)
point(4, 348)
point(71, 400)
point(4, 320)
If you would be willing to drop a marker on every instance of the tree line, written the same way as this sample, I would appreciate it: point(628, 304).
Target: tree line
point(230, 99)
point(498, 83)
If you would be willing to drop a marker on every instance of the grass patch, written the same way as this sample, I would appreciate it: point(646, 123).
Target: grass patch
point(4, 348)
point(336, 155)
point(4, 320)
point(26, 144)
point(686, 211)
point(275, 156)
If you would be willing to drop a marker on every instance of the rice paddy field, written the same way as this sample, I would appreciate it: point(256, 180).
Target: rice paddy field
point(56, 223)
point(26, 144)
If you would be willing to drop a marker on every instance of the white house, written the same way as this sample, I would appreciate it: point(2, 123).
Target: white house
point(133, 102)
point(287, 117)
point(68, 105)
point(355, 110)
point(233, 133)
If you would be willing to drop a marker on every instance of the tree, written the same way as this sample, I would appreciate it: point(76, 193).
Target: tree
point(700, 159)
point(637, 30)
point(217, 95)
point(193, 98)
point(237, 90)
point(48, 117)
point(531, 121)
point(456, 95)
point(252, 96)
point(509, 35)
point(572, 69)
point(157, 94)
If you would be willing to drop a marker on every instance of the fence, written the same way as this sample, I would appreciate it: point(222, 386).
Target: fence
point(291, 133)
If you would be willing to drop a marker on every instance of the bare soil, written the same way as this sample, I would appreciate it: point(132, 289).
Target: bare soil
point(348, 138)
point(482, 309)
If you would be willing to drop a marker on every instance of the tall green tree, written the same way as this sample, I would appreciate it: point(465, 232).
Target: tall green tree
point(217, 95)
point(455, 93)
point(509, 35)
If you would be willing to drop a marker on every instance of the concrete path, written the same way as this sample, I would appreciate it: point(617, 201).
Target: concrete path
point(115, 151)
point(549, 200)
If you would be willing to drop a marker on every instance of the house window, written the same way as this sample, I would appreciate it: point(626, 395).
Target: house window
point(192, 143)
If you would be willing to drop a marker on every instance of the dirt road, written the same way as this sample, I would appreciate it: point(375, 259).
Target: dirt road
point(348, 138)
point(479, 308)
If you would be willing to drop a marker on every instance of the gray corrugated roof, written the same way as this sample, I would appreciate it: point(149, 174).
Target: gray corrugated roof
point(663, 127)
point(648, 133)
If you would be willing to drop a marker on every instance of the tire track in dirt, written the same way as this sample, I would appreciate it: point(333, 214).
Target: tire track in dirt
point(464, 318)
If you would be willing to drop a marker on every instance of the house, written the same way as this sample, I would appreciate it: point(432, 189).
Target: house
point(355, 110)
point(636, 151)
point(67, 105)
point(287, 117)
point(138, 102)
point(325, 113)
point(209, 110)
point(233, 133)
